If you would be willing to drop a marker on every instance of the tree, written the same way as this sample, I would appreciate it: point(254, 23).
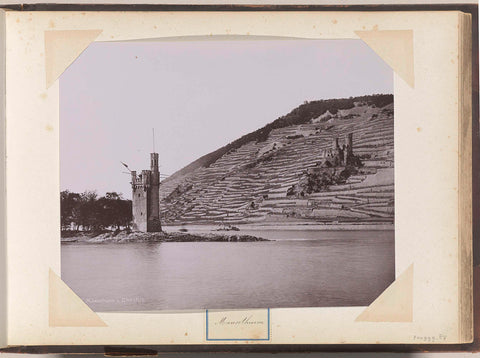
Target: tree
point(89, 212)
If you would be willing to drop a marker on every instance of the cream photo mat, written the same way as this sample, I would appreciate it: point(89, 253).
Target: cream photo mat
point(426, 176)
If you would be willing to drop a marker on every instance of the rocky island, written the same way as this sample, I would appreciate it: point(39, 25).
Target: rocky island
point(137, 236)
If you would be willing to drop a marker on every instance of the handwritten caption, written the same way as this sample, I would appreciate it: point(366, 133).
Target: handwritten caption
point(238, 324)
point(247, 320)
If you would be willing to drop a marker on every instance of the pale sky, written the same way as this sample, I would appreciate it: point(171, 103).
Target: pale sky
point(198, 96)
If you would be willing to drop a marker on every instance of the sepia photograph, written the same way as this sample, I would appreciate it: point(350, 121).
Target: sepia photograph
point(221, 173)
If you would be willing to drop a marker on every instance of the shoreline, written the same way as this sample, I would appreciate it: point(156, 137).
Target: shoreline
point(286, 226)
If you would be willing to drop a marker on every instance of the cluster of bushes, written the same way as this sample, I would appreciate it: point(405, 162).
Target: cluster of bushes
point(317, 182)
point(300, 115)
point(88, 212)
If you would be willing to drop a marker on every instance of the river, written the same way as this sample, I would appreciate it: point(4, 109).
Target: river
point(301, 268)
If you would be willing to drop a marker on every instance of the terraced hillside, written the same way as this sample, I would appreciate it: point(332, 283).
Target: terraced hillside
point(249, 182)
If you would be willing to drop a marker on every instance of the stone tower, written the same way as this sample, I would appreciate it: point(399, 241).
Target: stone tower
point(145, 198)
point(349, 157)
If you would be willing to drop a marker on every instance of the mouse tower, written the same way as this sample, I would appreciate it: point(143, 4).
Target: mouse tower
point(146, 198)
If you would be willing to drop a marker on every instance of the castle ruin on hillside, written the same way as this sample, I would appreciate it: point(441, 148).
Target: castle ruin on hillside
point(145, 198)
point(339, 155)
point(335, 166)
